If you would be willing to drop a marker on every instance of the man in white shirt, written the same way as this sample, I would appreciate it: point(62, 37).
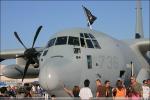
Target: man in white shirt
point(85, 92)
point(146, 90)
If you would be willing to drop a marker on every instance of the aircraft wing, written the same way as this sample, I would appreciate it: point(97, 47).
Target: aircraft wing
point(141, 47)
point(11, 54)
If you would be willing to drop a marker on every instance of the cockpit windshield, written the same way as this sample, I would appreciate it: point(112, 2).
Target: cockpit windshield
point(61, 40)
point(90, 41)
point(86, 35)
point(51, 42)
point(92, 37)
point(73, 41)
point(85, 40)
point(96, 44)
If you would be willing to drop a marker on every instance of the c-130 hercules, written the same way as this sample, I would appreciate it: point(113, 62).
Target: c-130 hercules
point(73, 55)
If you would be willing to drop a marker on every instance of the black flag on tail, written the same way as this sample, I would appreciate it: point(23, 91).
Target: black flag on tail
point(91, 18)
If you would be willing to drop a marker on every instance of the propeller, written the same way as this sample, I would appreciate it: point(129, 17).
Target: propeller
point(26, 68)
point(30, 53)
point(16, 35)
point(36, 35)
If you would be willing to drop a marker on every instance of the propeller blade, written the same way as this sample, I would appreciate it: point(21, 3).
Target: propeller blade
point(16, 35)
point(26, 68)
point(36, 35)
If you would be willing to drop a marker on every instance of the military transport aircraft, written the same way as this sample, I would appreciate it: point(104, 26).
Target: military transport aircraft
point(76, 54)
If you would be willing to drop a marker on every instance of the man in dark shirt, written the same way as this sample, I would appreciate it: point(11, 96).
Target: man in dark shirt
point(107, 89)
point(136, 86)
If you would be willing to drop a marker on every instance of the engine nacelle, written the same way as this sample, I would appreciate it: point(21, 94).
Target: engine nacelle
point(16, 71)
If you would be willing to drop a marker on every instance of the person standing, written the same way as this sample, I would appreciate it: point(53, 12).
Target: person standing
point(146, 90)
point(53, 97)
point(74, 92)
point(136, 86)
point(99, 88)
point(85, 92)
point(120, 91)
point(107, 89)
point(27, 90)
point(33, 91)
point(148, 82)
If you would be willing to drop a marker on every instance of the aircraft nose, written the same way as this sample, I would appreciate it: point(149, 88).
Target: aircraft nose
point(48, 77)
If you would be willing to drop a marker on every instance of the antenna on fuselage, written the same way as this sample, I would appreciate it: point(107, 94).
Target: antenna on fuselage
point(139, 24)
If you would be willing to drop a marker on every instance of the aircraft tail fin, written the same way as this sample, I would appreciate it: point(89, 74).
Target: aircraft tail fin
point(139, 24)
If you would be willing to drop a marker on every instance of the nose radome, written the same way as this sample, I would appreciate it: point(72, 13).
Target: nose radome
point(48, 78)
point(52, 79)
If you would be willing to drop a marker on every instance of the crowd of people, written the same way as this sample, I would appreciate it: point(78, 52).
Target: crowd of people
point(27, 90)
point(135, 91)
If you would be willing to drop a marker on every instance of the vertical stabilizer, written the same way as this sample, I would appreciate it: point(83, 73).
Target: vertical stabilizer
point(139, 24)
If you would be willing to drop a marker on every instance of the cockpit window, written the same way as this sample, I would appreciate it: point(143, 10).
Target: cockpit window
point(88, 40)
point(61, 40)
point(73, 41)
point(91, 36)
point(82, 42)
point(89, 43)
point(86, 35)
point(51, 42)
point(96, 44)
point(81, 35)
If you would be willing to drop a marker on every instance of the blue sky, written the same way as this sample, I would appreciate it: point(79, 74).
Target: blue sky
point(115, 18)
